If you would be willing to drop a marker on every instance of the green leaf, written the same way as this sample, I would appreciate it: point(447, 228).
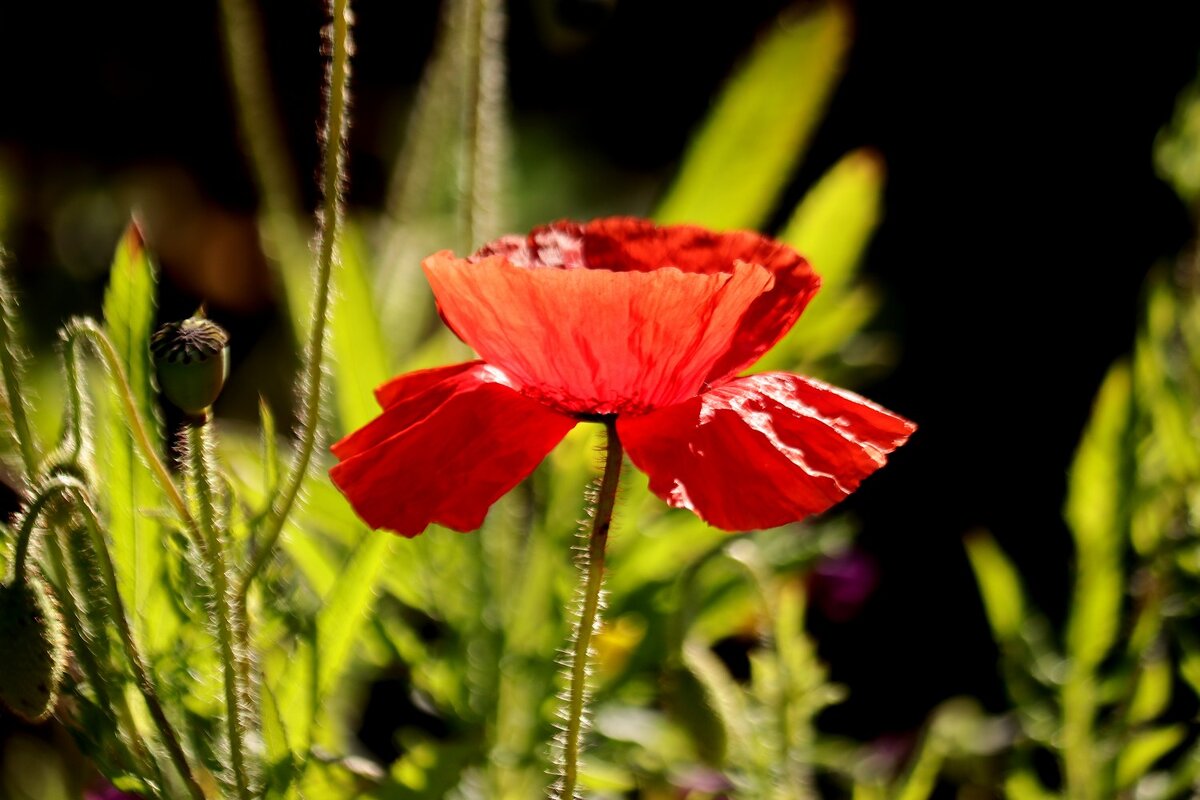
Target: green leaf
point(835, 221)
point(1097, 515)
point(1023, 784)
point(743, 156)
point(360, 361)
point(344, 614)
point(1096, 511)
point(1141, 752)
point(1153, 691)
point(832, 227)
point(999, 585)
point(1177, 149)
point(128, 489)
point(290, 676)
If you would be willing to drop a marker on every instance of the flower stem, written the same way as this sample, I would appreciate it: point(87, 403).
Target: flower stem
point(206, 500)
point(328, 232)
point(11, 367)
point(88, 330)
point(593, 565)
point(33, 511)
point(134, 750)
point(140, 671)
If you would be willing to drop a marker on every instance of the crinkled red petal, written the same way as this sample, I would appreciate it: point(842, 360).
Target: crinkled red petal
point(450, 443)
point(596, 341)
point(763, 450)
point(623, 244)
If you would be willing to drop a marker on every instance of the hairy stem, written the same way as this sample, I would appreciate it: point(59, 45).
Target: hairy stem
point(135, 752)
point(264, 140)
point(223, 604)
point(9, 350)
point(88, 330)
point(329, 230)
point(141, 672)
point(587, 622)
point(33, 511)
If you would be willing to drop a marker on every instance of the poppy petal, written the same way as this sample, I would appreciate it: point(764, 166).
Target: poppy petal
point(629, 244)
point(451, 442)
point(595, 341)
point(763, 450)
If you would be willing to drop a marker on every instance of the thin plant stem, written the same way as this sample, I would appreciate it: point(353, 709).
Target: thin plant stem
point(90, 331)
point(12, 379)
point(198, 447)
point(135, 751)
point(329, 231)
point(29, 522)
point(483, 106)
point(257, 113)
point(586, 624)
point(141, 672)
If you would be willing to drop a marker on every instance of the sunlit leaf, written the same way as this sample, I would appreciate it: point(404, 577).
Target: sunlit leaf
point(1096, 511)
point(1153, 691)
point(1021, 784)
point(1143, 750)
point(999, 584)
point(835, 221)
point(743, 155)
point(360, 359)
point(128, 490)
point(344, 613)
point(1177, 149)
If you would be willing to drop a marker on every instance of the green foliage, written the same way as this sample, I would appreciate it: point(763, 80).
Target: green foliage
point(226, 646)
point(1110, 711)
point(832, 226)
point(132, 494)
point(1177, 149)
point(743, 154)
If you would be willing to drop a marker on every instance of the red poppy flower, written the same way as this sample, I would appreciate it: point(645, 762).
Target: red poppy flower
point(617, 318)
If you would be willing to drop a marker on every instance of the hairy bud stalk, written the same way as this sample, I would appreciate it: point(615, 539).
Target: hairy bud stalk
point(12, 361)
point(196, 445)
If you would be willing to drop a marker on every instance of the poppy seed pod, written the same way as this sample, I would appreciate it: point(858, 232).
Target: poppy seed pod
point(35, 648)
point(192, 358)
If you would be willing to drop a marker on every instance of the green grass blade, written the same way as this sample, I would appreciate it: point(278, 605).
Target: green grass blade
point(832, 227)
point(128, 489)
point(1140, 754)
point(1097, 515)
point(999, 584)
point(1096, 511)
point(743, 156)
point(360, 358)
point(834, 222)
point(344, 614)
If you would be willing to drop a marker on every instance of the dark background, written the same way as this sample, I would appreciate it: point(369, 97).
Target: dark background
point(1022, 215)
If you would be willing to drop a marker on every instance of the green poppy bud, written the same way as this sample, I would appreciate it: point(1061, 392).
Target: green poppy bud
point(192, 357)
point(35, 648)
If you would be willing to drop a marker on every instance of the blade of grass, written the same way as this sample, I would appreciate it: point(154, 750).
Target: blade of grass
point(743, 156)
point(128, 489)
point(1096, 513)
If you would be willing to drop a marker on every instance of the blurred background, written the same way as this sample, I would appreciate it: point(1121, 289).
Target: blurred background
point(1021, 215)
